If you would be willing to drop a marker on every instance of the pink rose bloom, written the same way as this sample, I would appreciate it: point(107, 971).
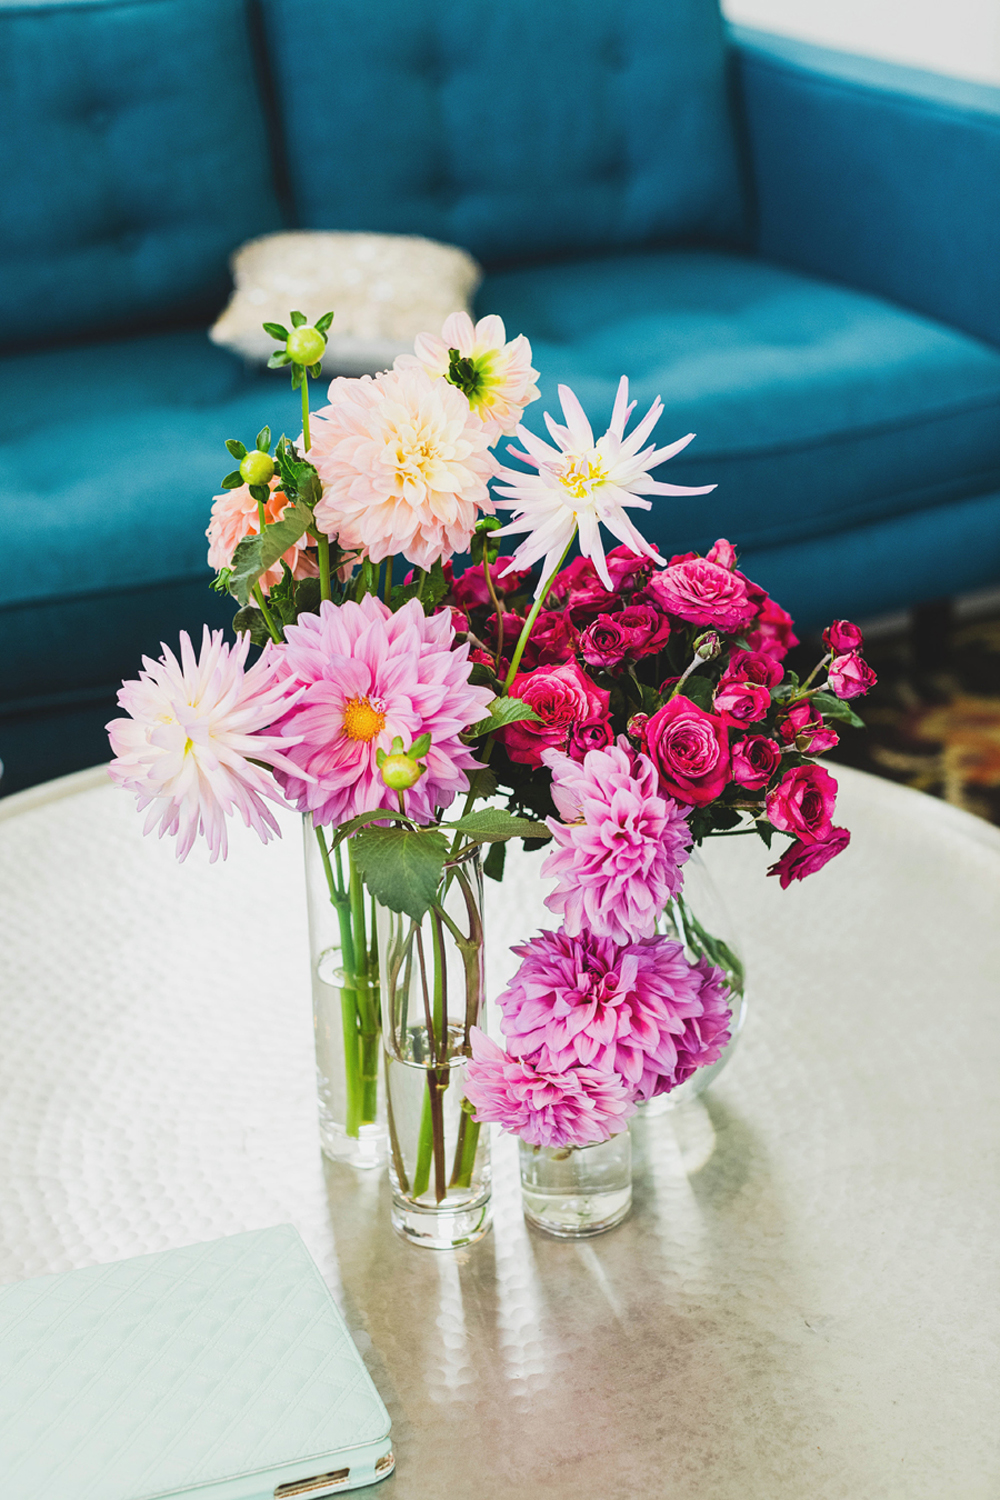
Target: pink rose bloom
point(690, 749)
point(850, 676)
point(618, 861)
point(545, 1108)
point(753, 666)
point(365, 676)
point(723, 553)
point(802, 803)
point(469, 588)
point(552, 640)
point(800, 860)
point(585, 1001)
point(772, 632)
point(594, 735)
point(581, 591)
point(842, 636)
point(703, 593)
point(650, 629)
point(755, 760)
point(607, 643)
point(629, 570)
point(805, 728)
point(562, 697)
point(235, 515)
point(742, 703)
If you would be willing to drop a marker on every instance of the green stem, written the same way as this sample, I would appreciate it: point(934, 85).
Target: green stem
point(465, 1151)
point(323, 558)
point(695, 662)
point(422, 1170)
point(273, 630)
point(394, 1147)
point(529, 623)
point(306, 439)
point(491, 590)
point(366, 1006)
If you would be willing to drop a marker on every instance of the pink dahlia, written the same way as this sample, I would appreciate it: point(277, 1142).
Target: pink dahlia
point(404, 464)
point(545, 1108)
point(707, 1033)
point(364, 676)
point(503, 382)
point(618, 856)
point(585, 1001)
point(195, 729)
point(235, 515)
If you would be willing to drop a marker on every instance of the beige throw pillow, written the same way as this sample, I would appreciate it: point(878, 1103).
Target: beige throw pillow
point(383, 288)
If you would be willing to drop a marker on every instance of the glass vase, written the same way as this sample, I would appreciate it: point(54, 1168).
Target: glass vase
point(346, 1015)
point(576, 1191)
point(700, 920)
point(432, 983)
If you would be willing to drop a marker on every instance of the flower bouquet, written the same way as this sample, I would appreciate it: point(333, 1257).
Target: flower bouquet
point(622, 706)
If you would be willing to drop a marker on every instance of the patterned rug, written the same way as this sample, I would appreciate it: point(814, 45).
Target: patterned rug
point(933, 720)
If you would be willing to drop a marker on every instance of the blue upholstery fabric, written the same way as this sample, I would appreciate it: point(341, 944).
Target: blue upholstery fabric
point(520, 130)
point(816, 408)
point(881, 176)
point(135, 160)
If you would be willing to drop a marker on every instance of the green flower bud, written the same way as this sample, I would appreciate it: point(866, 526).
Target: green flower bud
point(257, 468)
point(305, 345)
point(399, 772)
point(708, 645)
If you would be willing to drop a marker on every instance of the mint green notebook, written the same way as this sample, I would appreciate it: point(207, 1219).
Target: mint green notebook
point(220, 1371)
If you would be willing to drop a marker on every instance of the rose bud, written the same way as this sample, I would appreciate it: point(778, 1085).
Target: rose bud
point(636, 726)
point(723, 553)
point(742, 703)
point(707, 646)
point(754, 666)
point(805, 728)
point(850, 676)
point(595, 735)
point(842, 636)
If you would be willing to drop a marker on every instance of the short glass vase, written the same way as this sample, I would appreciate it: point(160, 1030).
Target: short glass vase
point(432, 982)
point(346, 1017)
point(573, 1192)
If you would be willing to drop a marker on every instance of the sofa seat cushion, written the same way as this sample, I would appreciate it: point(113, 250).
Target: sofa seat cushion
point(518, 130)
point(816, 408)
point(110, 458)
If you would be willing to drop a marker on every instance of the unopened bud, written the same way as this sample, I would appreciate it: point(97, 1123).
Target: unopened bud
point(636, 726)
point(305, 346)
point(707, 646)
point(257, 468)
point(399, 772)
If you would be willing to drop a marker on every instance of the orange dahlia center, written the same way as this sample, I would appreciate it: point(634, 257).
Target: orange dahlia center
point(363, 719)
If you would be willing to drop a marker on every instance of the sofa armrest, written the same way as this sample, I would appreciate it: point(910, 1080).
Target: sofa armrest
point(883, 177)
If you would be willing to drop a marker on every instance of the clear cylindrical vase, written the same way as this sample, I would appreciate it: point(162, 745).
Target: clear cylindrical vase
point(346, 1014)
point(432, 984)
point(576, 1191)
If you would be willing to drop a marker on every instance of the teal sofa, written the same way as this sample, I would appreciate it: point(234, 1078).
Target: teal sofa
point(798, 250)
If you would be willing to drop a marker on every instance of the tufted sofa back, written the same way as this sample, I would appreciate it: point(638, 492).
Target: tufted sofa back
point(135, 158)
point(520, 129)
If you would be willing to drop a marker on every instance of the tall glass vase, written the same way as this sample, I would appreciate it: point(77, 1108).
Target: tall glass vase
point(432, 984)
point(699, 919)
point(346, 1015)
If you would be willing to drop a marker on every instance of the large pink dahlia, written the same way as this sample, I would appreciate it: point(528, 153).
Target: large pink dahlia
point(404, 463)
point(584, 1001)
point(366, 675)
point(544, 1107)
point(194, 724)
point(618, 856)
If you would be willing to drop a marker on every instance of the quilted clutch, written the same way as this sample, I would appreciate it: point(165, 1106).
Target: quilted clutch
point(223, 1370)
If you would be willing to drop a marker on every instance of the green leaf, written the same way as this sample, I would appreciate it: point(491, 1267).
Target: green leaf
point(492, 823)
point(496, 858)
point(315, 371)
point(322, 324)
point(232, 481)
point(482, 783)
point(726, 817)
point(700, 690)
point(299, 320)
point(297, 375)
point(307, 597)
point(401, 866)
point(264, 440)
point(236, 448)
point(307, 483)
point(251, 621)
point(765, 829)
point(260, 492)
point(255, 554)
point(480, 675)
point(502, 711)
point(835, 708)
point(276, 331)
point(279, 360)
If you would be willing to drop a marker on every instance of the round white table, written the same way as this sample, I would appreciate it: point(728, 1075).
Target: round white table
point(804, 1300)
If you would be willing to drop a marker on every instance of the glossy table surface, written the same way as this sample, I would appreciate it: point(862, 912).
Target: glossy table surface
point(804, 1300)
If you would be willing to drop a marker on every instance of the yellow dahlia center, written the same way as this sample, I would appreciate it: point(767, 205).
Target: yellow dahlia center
point(581, 475)
point(363, 719)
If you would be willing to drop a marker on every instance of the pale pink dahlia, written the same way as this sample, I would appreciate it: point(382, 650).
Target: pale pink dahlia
point(582, 484)
point(186, 749)
point(366, 675)
point(618, 856)
point(504, 382)
point(545, 1108)
point(404, 463)
point(235, 515)
point(586, 1001)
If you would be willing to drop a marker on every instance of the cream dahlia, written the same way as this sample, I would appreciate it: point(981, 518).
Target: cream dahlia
point(404, 464)
point(582, 483)
point(186, 748)
point(235, 515)
point(364, 676)
point(502, 380)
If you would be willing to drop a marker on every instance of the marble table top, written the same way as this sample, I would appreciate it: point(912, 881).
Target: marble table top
point(804, 1300)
